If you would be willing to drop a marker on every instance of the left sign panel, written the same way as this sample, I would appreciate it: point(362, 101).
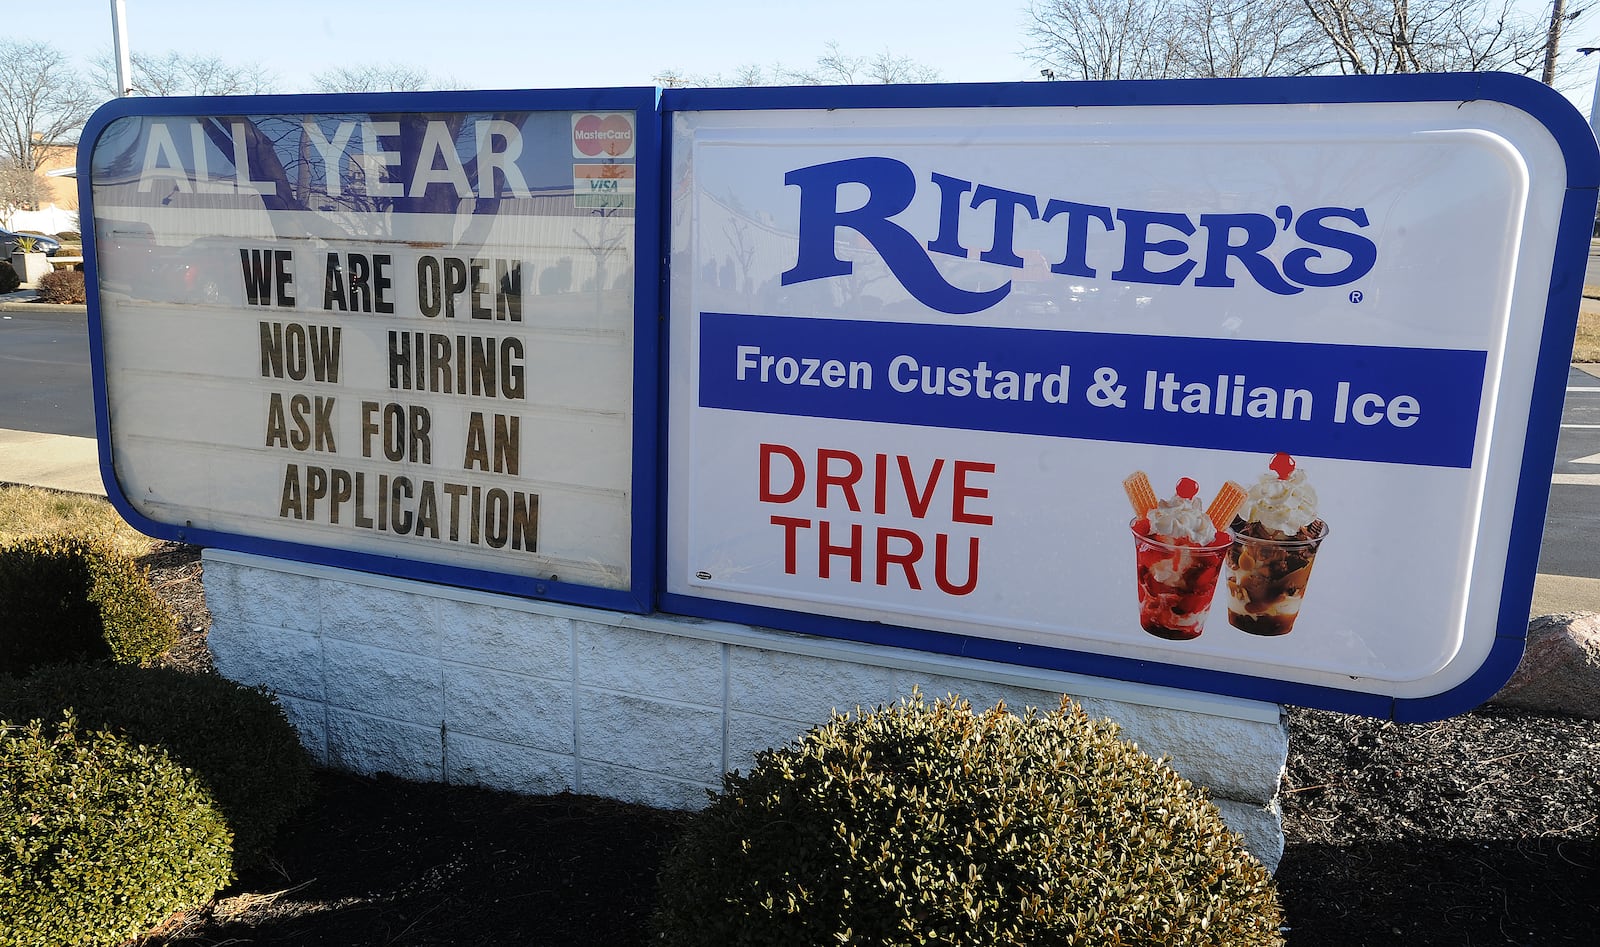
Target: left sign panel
point(397, 333)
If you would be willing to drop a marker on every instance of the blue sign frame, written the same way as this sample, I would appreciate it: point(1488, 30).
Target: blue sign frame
point(1578, 147)
point(639, 596)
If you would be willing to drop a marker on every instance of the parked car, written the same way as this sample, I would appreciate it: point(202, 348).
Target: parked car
point(42, 243)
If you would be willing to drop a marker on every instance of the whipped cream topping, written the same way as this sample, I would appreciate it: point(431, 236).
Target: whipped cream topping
point(1178, 518)
point(1283, 505)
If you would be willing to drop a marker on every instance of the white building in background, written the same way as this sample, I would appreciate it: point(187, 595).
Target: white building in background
point(58, 198)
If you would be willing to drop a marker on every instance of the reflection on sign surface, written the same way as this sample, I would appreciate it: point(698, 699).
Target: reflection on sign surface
point(404, 334)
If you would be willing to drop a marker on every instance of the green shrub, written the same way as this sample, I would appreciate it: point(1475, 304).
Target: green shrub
point(62, 286)
point(235, 738)
point(9, 280)
point(100, 839)
point(69, 236)
point(926, 824)
point(69, 598)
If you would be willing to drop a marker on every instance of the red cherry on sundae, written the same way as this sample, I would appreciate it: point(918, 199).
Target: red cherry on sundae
point(1282, 464)
point(1187, 488)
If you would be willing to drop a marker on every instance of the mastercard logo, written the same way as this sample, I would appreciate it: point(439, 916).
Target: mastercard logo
point(602, 136)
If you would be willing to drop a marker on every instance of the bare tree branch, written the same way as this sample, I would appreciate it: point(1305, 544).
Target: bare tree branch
point(1107, 39)
point(1237, 38)
point(1378, 36)
point(380, 77)
point(175, 73)
point(833, 67)
point(20, 187)
point(1153, 39)
point(42, 101)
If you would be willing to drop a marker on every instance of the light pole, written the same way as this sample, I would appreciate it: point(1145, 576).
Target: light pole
point(119, 40)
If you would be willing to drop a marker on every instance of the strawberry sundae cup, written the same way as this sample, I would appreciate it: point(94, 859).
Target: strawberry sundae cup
point(1275, 539)
point(1179, 549)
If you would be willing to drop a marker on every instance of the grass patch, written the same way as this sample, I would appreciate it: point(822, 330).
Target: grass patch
point(1586, 347)
point(34, 511)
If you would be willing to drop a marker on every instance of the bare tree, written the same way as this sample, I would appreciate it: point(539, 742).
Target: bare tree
point(1106, 39)
point(1380, 36)
point(20, 188)
point(42, 102)
point(836, 67)
point(175, 73)
point(1150, 39)
point(833, 67)
point(1229, 39)
point(751, 74)
point(379, 77)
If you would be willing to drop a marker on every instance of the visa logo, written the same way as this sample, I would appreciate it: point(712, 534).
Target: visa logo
point(605, 184)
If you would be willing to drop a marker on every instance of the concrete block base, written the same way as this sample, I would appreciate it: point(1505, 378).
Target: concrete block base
point(437, 683)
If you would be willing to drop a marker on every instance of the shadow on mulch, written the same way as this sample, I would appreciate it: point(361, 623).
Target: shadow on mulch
point(387, 861)
point(1429, 891)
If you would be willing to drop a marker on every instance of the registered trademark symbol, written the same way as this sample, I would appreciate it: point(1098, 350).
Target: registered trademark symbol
point(1355, 295)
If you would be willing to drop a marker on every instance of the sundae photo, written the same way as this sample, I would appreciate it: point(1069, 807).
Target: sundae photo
point(1179, 548)
point(1276, 535)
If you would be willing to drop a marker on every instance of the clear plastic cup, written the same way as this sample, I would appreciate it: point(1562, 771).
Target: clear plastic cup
point(1177, 583)
point(1267, 580)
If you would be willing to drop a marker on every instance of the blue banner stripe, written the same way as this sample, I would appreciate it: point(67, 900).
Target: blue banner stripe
point(1355, 402)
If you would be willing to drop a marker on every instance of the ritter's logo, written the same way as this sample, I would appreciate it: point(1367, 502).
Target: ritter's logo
point(1327, 249)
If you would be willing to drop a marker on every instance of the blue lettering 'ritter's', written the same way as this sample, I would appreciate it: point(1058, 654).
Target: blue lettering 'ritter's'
point(1158, 247)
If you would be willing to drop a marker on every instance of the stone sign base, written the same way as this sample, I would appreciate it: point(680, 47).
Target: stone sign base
point(436, 683)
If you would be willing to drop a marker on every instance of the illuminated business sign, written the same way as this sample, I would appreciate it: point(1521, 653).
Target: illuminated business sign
point(1249, 387)
point(398, 332)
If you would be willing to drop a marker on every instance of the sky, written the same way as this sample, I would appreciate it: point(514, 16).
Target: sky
point(490, 44)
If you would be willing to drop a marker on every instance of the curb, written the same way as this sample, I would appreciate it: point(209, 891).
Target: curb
point(45, 309)
point(27, 300)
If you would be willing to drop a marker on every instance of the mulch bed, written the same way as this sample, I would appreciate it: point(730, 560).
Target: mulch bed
point(1477, 830)
point(1480, 829)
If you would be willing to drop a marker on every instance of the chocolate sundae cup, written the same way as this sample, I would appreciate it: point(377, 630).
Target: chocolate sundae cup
point(1267, 577)
point(1275, 541)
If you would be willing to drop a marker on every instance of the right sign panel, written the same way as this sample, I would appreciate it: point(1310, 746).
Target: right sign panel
point(1241, 387)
